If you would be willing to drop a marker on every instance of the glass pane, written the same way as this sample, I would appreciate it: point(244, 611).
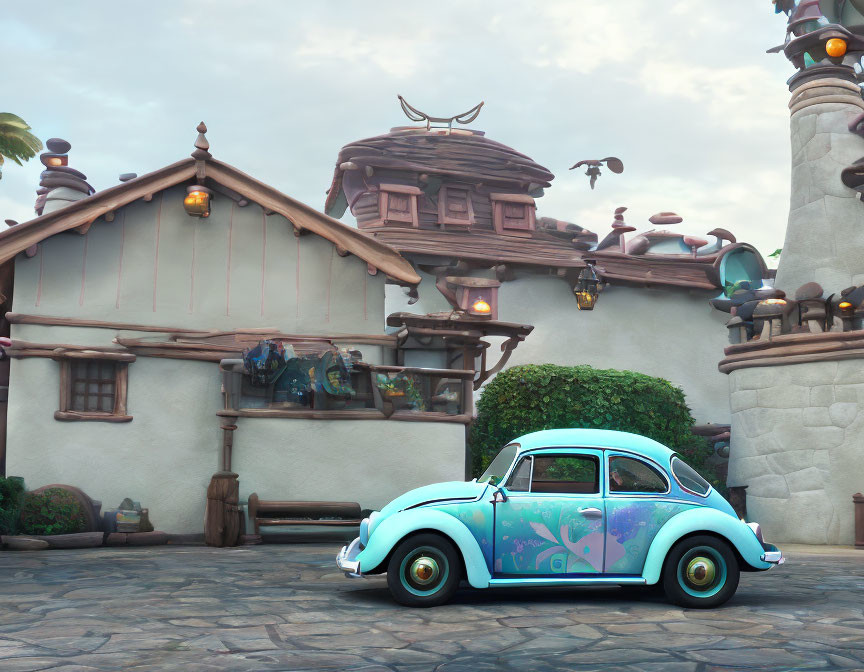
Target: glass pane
point(107, 403)
point(565, 474)
point(689, 478)
point(629, 475)
point(520, 481)
point(499, 466)
point(92, 403)
point(78, 387)
point(93, 388)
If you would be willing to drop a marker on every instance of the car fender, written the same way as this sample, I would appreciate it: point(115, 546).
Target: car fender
point(702, 519)
point(397, 526)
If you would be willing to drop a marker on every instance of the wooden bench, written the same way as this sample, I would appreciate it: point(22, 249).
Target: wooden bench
point(334, 514)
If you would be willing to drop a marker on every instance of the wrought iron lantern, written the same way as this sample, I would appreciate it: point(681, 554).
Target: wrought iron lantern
point(197, 201)
point(587, 287)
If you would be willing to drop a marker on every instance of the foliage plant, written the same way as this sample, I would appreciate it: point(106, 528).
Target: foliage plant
point(11, 491)
point(529, 398)
point(54, 511)
point(16, 141)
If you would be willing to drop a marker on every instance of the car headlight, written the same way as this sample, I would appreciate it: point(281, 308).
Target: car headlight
point(364, 532)
point(757, 530)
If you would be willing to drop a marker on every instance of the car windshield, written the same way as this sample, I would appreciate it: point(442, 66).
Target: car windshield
point(499, 466)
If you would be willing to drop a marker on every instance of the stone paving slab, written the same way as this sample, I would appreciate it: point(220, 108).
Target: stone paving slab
point(280, 607)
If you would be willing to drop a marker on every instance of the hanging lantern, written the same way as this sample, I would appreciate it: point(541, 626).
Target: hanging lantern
point(587, 287)
point(481, 307)
point(197, 201)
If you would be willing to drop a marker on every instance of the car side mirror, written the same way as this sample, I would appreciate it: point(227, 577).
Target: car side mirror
point(499, 496)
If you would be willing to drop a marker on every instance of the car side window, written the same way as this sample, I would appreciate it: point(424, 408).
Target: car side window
point(629, 475)
point(520, 480)
point(566, 474)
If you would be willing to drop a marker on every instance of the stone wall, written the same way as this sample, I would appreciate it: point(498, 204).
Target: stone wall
point(824, 237)
point(797, 442)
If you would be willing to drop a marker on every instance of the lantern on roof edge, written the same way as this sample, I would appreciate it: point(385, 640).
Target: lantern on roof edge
point(197, 201)
point(587, 287)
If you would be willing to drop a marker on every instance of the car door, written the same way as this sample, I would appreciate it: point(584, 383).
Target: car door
point(552, 522)
point(638, 504)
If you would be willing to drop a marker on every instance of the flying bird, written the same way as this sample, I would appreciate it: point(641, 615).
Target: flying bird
point(612, 163)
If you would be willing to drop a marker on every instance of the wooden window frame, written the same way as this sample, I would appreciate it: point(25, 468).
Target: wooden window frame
point(121, 385)
point(500, 201)
point(411, 219)
point(443, 217)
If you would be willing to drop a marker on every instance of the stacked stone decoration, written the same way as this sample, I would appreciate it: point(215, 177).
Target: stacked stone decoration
point(59, 185)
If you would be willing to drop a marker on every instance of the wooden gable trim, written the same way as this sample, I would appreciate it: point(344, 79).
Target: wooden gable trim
point(82, 213)
point(302, 216)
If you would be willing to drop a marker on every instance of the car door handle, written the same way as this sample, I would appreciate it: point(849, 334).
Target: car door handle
point(591, 512)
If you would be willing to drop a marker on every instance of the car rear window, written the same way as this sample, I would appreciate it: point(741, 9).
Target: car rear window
point(688, 478)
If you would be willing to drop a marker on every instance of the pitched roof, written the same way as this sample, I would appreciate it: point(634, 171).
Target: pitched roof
point(458, 153)
point(80, 214)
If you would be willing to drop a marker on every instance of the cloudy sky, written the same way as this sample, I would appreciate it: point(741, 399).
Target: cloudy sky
point(681, 90)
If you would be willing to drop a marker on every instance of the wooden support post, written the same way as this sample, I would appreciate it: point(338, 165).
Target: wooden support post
point(227, 445)
point(222, 514)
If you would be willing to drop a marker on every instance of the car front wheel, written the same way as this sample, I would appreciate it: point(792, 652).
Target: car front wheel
point(424, 571)
point(700, 573)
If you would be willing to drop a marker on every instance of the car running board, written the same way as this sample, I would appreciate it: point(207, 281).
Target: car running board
point(569, 581)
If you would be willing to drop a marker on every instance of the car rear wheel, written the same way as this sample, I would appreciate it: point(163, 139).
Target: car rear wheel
point(700, 573)
point(424, 571)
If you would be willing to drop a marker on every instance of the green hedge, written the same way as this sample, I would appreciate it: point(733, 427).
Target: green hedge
point(529, 398)
point(53, 511)
point(11, 491)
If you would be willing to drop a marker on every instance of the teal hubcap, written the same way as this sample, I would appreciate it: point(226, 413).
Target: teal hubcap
point(423, 571)
point(702, 572)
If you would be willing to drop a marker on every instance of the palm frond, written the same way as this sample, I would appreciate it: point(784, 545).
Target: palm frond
point(16, 141)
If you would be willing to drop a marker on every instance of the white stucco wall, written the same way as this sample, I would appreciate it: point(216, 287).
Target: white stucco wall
point(670, 333)
point(367, 461)
point(163, 458)
point(797, 442)
point(153, 264)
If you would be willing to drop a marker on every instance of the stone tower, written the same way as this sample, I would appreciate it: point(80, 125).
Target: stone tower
point(825, 235)
point(796, 365)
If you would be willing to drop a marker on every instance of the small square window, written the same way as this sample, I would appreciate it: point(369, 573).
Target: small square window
point(513, 212)
point(398, 205)
point(93, 389)
point(455, 206)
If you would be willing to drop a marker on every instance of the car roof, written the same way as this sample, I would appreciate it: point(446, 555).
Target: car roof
point(595, 438)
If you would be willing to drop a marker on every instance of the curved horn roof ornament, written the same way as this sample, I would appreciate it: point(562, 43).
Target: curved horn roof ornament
point(416, 115)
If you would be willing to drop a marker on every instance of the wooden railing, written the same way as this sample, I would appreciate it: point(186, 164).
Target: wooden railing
point(410, 394)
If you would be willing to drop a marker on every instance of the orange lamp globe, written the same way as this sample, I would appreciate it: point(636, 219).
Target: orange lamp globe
point(481, 307)
point(197, 202)
point(845, 305)
point(835, 47)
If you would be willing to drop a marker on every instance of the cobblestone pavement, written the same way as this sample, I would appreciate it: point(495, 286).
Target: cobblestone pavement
point(279, 607)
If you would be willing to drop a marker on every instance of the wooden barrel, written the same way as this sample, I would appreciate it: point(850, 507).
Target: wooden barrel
point(222, 514)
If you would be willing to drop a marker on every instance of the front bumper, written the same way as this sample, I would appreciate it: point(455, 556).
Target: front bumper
point(772, 554)
point(346, 559)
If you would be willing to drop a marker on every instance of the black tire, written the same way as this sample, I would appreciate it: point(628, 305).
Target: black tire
point(700, 573)
point(424, 571)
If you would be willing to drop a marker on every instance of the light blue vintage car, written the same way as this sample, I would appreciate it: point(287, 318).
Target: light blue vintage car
point(564, 507)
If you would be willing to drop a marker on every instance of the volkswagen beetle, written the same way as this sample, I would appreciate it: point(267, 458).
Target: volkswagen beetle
point(564, 507)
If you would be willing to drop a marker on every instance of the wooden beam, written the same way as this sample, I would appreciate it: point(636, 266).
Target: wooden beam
point(90, 417)
point(354, 414)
